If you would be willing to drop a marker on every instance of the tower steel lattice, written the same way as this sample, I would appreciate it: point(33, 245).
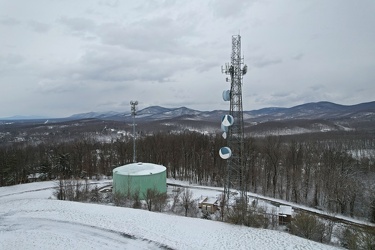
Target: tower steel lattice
point(133, 109)
point(235, 177)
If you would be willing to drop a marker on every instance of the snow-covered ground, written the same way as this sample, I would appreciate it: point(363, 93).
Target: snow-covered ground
point(31, 219)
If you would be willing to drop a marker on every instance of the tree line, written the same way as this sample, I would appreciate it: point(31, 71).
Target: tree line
point(334, 173)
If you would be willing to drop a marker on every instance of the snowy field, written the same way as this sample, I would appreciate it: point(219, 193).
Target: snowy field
point(30, 218)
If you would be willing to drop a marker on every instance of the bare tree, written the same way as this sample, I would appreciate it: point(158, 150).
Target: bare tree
point(72, 190)
point(272, 151)
point(357, 238)
point(136, 199)
point(176, 198)
point(309, 160)
point(308, 226)
point(188, 203)
point(155, 201)
point(372, 207)
point(293, 165)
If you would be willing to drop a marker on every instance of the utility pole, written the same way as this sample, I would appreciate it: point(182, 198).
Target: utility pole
point(133, 110)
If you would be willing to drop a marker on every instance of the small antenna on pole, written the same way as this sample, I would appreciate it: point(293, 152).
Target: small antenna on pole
point(133, 110)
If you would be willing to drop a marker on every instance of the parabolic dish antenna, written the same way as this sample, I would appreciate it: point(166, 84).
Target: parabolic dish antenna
point(224, 135)
point(225, 153)
point(227, 120)
point(226, 95)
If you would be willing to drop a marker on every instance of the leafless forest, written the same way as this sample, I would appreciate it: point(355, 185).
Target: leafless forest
point(332, 171)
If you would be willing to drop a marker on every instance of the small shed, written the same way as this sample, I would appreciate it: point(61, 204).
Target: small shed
point(285, 214)
point(209, 204)
point(36, 177)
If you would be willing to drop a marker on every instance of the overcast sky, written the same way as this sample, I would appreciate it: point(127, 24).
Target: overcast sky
point(62, 57)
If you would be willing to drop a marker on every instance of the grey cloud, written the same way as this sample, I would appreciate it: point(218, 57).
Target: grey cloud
point(317, 87)
point(275, 100)
point(163, 38)
point(204, 66)
point(109, 3)
point(299, 97)
point(78, 24)
point(39, 27)
point(261, 62)
point(114, 64)
point(162, 34)
point(288, 99)
point(122, 65)
point(148, 6)
point(298, 57)
point(51, 86)
point(12, 64)
point(111, 104)
point(9, 21)
point(146, 46)
point(280, 94)
point(11, 58)
point(228, 8)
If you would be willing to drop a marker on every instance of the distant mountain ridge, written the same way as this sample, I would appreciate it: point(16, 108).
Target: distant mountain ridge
point(315, 110)
point(314, 117)
point(24, 117)
point(149, 113)
point(309, 111)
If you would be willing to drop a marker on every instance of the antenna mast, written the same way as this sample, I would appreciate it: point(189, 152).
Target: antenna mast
point(133, 110)
point(235, 169)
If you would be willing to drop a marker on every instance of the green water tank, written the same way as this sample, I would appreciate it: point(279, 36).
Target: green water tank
point(138, 177)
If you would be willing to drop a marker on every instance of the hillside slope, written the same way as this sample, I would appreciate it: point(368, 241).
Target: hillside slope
point(29, 220)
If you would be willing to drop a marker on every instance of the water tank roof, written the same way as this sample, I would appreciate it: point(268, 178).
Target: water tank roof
point(139, 169)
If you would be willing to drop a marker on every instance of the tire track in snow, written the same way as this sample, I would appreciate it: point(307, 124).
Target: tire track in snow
point(66, 229)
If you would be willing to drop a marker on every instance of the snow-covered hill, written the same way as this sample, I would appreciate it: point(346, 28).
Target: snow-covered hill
point(317, 110)
point(29, 219)
point(305, 118)
point(302, 119)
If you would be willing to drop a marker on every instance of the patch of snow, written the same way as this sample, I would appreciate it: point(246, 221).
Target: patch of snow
point(29, 220)
point(287, 210)
point(345, 128)
point(362, 153)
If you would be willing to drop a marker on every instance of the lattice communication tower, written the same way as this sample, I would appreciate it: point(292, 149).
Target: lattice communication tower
point(235, 172)
point(133, 108)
